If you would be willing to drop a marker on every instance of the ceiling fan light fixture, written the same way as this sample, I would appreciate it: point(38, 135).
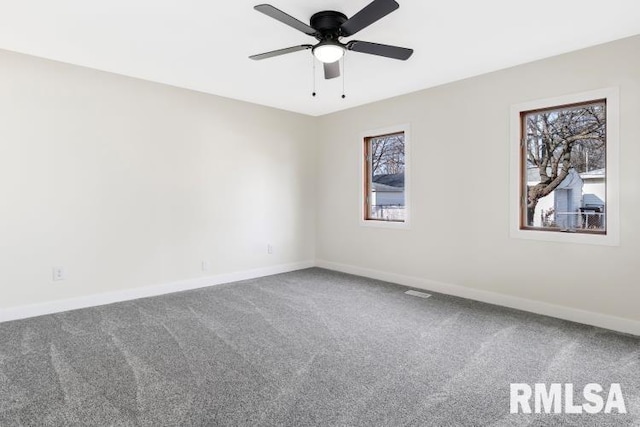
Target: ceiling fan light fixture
point(328, 52)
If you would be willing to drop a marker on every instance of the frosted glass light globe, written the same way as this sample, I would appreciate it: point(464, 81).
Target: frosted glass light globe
point(328, 53)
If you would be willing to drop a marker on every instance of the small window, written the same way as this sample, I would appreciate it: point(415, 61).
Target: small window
point(564, 161)
point(384, 180)
point(564, 173)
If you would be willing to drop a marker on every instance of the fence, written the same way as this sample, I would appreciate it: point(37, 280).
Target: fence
point(388, 212)
point(585, 220)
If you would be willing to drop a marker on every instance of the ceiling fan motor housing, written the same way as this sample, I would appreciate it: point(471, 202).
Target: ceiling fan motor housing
point(328, 23)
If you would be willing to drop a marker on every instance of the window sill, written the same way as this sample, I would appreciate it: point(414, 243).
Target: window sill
point(385, 224)
point(608, 239)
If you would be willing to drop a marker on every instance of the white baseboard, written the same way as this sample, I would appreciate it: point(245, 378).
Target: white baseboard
point(606, 321)
point(562, 312)
point(58, 306)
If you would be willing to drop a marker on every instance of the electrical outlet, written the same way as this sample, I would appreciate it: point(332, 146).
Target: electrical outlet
point(58, 273)
point(206, 265)
point(270, 249)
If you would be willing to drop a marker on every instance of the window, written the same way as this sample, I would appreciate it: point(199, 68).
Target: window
point(385, 178)
point(564, 175)
point(564, 154)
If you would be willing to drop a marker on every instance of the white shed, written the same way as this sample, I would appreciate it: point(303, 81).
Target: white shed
point(562, 206)
point(568, 200)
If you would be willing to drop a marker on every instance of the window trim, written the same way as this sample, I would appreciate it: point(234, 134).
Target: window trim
point(401, 128)
point(612, 237)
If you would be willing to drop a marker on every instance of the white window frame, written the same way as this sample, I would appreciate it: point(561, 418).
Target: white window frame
point(612, 236)
point(406, 129)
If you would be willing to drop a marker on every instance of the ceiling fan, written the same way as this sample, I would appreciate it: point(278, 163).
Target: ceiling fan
point(328, 27)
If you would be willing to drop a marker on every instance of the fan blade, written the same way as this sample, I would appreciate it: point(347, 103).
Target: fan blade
point(280, 52)
point(374, 11)
point(394, 52)
point(279, 15)
point(331, 70)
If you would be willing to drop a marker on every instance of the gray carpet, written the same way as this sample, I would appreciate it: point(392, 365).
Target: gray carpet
point(312, 347)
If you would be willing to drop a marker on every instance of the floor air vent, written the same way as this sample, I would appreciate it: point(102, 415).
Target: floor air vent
point(418, 294)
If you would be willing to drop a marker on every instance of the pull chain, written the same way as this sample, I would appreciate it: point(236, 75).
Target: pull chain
point(313, 60)
point(344, 71)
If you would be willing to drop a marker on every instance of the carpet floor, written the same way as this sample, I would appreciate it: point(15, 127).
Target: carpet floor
point(312, 347)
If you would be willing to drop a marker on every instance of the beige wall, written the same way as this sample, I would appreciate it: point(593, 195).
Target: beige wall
point(128, 183)
point(459, 170)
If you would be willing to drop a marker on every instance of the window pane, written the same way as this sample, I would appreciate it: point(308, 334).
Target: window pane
point(386, 173)
point(564, 158)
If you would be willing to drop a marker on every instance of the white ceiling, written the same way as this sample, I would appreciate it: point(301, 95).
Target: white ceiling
point(204, 45)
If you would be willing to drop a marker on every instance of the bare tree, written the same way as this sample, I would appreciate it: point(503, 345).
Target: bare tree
point(561, 139)
point(387, 154)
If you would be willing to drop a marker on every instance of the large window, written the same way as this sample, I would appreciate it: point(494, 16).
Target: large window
point(564, 155)
point(385, 178)
point(564, 172)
